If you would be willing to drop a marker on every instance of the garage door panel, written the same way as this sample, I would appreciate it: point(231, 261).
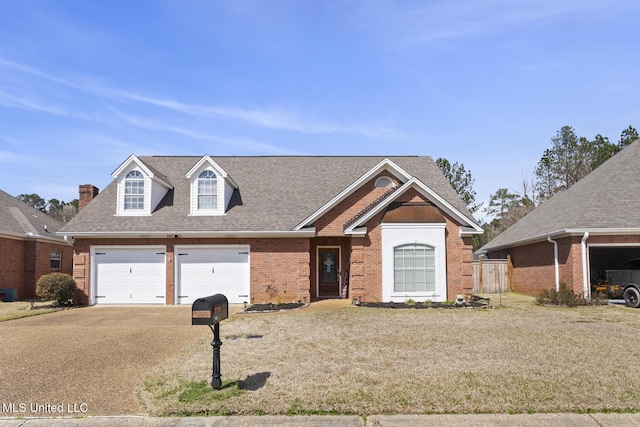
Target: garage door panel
point(207, 271)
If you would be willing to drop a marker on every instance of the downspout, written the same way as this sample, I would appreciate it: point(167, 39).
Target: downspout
point(585, 271)
point(555, 258)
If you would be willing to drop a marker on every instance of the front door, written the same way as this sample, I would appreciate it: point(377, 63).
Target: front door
point(328, 272)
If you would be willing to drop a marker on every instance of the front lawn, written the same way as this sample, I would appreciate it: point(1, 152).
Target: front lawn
point(19, 309)
point(515, 358)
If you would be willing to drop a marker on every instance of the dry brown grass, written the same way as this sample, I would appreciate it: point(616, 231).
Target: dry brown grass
point(514, 358)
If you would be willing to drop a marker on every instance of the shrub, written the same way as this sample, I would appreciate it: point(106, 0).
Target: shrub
point(56, 286)
point(567, 297)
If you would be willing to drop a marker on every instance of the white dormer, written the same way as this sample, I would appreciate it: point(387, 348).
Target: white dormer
point(140, 189)
point(211, 188)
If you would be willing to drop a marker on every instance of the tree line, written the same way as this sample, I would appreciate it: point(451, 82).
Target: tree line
point(59, 210)
point(568, 159)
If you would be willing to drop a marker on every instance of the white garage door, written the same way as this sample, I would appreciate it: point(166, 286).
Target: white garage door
point(204, 271)
point(130, 276)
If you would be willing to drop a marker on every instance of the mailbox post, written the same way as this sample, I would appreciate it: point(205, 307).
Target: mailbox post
point(211, 311)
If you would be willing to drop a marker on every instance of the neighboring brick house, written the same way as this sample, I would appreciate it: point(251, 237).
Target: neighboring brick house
point(29, 248)
point(579, 233)
point(266, 229)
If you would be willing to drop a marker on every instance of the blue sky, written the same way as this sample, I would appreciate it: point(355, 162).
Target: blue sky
point(486, 83)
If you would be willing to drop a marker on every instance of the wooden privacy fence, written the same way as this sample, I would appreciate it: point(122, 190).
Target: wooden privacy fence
point(492, 276)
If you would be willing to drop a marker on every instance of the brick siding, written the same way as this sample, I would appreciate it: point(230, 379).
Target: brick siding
point(12, 264)
point(22, 262)
point(285, 269)
point(534, 266)
point(366, 258)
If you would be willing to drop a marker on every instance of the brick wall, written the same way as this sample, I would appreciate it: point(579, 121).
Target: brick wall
point(363, 254)
point(371, 279)
point(42, 263)
point(366, 258)
point(534, 265)
point(22, 262)
point(86, 193)
point(279, 267)
point(12, 264)
point(459, 261)
point(332, 223)
point(357, 284)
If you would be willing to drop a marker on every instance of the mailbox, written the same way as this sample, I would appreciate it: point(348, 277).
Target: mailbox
point(209, 310)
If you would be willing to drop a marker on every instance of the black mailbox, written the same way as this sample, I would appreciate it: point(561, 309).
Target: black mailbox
point(209, 310)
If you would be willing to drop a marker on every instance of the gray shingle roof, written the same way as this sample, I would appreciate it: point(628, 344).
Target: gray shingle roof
point(607, 198)
point(19, 219)
point(274, 193)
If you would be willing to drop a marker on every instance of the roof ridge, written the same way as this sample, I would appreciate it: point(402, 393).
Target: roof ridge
point(287, 156)
point(370, 206)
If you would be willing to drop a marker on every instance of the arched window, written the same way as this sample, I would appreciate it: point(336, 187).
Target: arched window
point(414, 268)
point(207, 190)
point(384, 181)
point(134, 191)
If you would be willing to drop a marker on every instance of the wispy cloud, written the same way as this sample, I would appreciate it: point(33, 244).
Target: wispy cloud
point(402, 23)
point(14, 158)
point(270, 118)
point(9, 100)
point(280, 119)
point(151, 124)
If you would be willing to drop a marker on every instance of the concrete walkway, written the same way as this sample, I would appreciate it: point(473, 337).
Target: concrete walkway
point(484, 420)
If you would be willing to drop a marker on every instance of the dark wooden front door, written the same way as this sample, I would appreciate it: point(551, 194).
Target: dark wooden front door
point(328, 272)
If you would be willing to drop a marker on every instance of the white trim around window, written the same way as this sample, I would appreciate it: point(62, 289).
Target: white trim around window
point(134, 193)
point(56, 260)
point(207, 192)
point(409, 235)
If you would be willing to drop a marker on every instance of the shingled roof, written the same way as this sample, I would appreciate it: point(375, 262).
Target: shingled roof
point(19, 220)
point(606, 201)
point(275, 193)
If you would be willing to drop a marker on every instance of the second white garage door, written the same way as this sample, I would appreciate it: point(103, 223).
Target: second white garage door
point(207, 270)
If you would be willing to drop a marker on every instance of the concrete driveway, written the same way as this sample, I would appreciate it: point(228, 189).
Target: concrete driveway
point(87, 361)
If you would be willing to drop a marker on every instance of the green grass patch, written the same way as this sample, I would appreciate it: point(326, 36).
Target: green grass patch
point(192, 398)
point(201, 391)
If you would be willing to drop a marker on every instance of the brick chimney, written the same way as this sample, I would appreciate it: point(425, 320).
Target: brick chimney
point(87, 193)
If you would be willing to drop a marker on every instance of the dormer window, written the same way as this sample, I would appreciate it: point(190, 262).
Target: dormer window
point(140, 188)
point(134, 191)
point(207, 191)
point(211, 188)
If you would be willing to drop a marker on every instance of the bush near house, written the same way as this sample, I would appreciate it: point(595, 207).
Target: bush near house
point(565, 296)
point(56, 286)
